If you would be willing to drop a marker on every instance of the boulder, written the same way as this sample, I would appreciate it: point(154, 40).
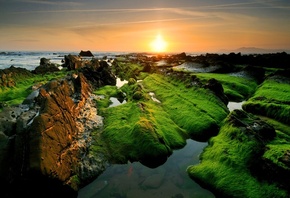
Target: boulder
point(72, 62)
point(45, 67)
point(100, 75)
point(86, 53)
point(10, 76)
point(218, 89)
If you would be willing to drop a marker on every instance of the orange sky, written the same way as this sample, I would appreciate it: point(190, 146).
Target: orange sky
point(186, 25)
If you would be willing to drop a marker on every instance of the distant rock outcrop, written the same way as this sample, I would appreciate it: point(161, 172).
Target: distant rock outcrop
point(86, 53)
point(45, 66)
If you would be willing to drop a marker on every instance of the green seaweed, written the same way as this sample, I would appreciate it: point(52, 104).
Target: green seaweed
point(272, 99)
point(226, 165)
point(134, 131)
point(126, 70)
point(15, 95)
point(236, 88)
point(196, 110)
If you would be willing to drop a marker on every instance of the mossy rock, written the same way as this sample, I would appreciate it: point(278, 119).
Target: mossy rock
point(272, 99)
point(233, 164)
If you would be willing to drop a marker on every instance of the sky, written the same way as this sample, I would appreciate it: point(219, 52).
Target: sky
point(132, 25)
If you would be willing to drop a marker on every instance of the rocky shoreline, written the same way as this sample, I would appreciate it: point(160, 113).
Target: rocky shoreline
point(54, 140)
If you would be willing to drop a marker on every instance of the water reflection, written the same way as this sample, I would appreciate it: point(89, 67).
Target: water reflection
point(135, 180)
point(235, 105)
point(120, 83)
point(116, 101)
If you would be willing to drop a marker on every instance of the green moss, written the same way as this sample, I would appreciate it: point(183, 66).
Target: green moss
point(226, 161)
point(235, 88)
point(196, 110)
point(16, 95)
point(272, 99)
point(135, 131)
point(107, 90)
point(279, 147)
point(127, 70)
point(231, 181)
point(104, 93)
point(75, 182)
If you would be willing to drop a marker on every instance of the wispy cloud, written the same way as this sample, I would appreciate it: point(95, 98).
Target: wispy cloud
point(129, 22)
point(45, 2)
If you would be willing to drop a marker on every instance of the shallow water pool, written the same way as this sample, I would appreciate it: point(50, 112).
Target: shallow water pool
point(133, 180)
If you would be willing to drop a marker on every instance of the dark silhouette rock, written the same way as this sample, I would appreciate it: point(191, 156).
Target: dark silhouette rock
point(45, 67)
point(86, 53)
point(100, 75)
point(217, 88)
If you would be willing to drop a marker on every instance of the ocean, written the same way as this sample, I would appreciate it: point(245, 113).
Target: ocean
point(31, 59)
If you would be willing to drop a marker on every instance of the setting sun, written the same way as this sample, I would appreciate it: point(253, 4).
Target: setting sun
point(159, 45)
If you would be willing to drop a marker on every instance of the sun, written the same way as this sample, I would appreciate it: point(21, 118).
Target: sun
point(158, 45)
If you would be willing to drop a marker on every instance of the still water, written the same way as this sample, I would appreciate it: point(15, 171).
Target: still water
point(133, 180)
point(235, 105)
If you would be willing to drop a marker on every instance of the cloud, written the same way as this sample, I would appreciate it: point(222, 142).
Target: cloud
point(46, 2)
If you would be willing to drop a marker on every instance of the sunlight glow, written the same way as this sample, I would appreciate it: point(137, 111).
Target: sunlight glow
point(159, 45)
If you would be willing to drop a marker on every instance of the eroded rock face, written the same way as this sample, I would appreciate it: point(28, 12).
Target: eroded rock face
point(48, 139)
point(73, 62)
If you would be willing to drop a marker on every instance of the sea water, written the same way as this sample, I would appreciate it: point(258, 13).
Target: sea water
point(31, 59)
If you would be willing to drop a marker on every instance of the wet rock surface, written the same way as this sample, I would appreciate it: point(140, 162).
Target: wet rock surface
point(46, 139)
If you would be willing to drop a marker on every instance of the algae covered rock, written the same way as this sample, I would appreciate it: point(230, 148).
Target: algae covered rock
point(233, 164)
point(272, 98)
point(10, 76)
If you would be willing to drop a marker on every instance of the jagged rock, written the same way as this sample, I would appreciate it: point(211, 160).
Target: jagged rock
point(73, 62)
point(100, 76)
point(47, 138)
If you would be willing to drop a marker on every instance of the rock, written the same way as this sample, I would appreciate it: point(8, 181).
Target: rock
point(44, 61)
point(86, 53)
point(218, 89)
point(251, 125)
point(10, 76)
point(100, 76)
point(45, 67)
point(73, 62)
point(48, 138)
